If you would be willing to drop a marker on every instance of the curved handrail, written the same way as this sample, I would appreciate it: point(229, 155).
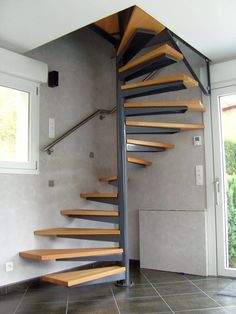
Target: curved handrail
point(49, 147)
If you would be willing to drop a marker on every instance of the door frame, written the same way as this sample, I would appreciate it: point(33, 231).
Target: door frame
point(219, 175)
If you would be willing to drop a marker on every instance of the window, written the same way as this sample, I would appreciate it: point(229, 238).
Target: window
point(18, 125)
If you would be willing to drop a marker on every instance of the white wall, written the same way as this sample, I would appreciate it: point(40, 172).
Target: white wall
point(223, 74)
point(21, 66)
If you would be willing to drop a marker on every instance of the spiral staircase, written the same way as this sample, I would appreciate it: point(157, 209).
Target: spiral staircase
point(133, 33)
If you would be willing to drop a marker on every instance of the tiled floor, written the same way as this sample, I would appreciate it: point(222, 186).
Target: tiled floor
point(153, 292)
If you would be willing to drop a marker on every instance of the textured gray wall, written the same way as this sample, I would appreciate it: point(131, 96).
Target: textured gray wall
point(87, 82)
point(170, 182)
point(173, 240)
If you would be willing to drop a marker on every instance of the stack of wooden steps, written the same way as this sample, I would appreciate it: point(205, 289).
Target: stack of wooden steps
point(71, 278)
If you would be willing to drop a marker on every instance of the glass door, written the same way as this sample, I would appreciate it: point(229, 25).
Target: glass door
point(224, 144)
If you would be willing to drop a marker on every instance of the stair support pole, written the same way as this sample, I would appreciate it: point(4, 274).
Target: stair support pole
point(122, 178)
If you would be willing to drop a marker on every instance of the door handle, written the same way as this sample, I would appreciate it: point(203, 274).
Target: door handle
point(217, 190)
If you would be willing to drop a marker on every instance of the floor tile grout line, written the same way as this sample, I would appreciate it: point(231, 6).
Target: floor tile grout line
point(157, 292)
point(114, 298)
point(180, 294)
point(221, 306)
point(20, 302)
point(192, 310)
point(167, 282)
point(67, 303)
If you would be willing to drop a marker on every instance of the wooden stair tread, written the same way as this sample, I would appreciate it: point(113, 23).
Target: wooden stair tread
point(164, 49)
point(139, 161)
point(193, 105)
point(148, 143)
point(75, 231)
point(90, 212)
point(108, 178)
point(53, 254)
point(99, 195)
point(187, 81)
point(139, 19)
point(73, 278)
point(110, 24)
point(181, 126)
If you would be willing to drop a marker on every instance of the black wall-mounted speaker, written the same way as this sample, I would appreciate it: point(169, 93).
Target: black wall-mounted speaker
point(53, 79)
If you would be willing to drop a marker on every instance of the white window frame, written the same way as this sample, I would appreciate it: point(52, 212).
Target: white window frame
point(30, 167)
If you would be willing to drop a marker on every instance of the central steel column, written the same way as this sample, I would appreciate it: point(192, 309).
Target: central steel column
point(122, 177)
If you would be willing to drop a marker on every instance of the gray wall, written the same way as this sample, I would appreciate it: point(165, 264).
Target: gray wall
point(173, 240)
point(87, 82)
point(170, 182)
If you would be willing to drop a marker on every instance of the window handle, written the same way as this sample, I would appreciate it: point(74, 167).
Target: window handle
point(217, 190)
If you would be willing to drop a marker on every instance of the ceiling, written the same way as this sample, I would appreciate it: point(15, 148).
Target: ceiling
point(208, 25)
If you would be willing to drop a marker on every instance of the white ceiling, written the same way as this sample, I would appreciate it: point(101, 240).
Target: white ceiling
point(208, 25)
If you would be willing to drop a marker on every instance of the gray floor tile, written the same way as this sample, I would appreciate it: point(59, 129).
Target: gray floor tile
point(145, 305)
point(156, 276)
point(204, 311)
point(215, 284)
point(176, 288)
point(134, 292)
point(196, 277)
point(9, 302)
point(138, 278)
point(93, 307)
point(230, 310)
point(42, 308)
point(95, 292)
point(190, 302)
point(47, 294)
point(223, 300)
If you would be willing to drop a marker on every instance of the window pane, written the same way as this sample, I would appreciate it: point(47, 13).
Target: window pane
point(228, 109)
point(14, 125)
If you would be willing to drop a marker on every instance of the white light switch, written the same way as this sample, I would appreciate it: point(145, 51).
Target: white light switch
point(51, 128)
point(197, 140)
point(199, 174)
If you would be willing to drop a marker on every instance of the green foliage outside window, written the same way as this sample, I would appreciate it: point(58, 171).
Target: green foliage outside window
point(7, 130)
point(230, 158)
